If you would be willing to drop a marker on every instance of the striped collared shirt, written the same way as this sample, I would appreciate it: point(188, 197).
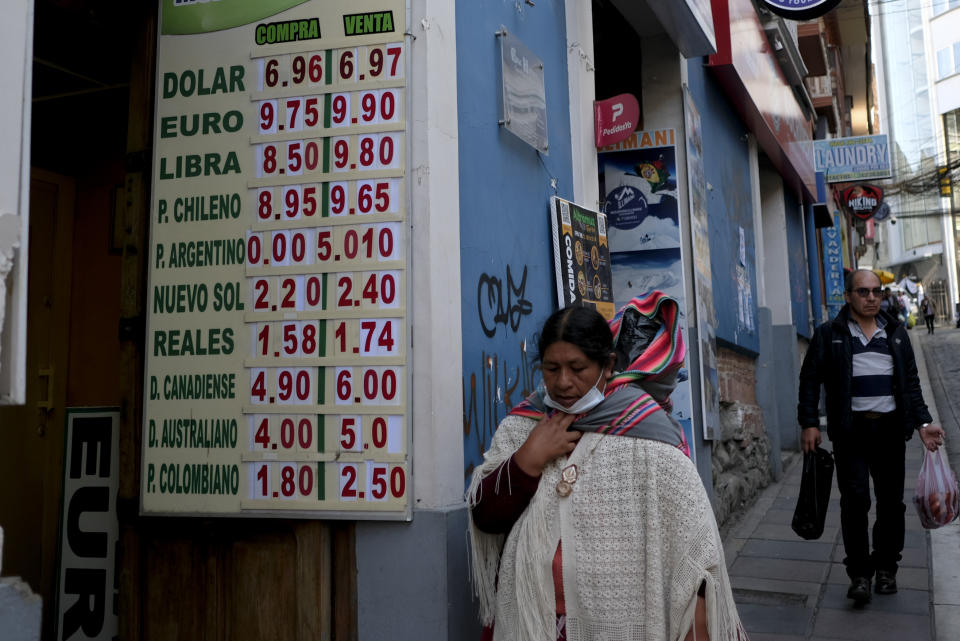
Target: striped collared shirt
point(871, 382)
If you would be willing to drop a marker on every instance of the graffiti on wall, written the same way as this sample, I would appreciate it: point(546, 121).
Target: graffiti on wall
point(488, 394)
point(502, 303)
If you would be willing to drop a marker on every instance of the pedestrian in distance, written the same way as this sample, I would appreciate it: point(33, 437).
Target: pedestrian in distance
point(886, 302)
point(904, 307)
point(929, 309)
point(587, 515)
point(865, 363)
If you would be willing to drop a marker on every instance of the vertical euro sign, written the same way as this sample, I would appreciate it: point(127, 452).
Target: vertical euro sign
point(617, 111)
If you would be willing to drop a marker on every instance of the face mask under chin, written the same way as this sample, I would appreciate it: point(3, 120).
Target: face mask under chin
point(583, 405)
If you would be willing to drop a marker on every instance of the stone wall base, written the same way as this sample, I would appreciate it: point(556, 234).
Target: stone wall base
point(741, 454)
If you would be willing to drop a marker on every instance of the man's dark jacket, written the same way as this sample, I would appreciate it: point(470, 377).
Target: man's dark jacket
point(829, 361)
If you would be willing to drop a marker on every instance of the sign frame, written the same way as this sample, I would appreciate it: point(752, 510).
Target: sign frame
point(848, 159)
point(402, 239)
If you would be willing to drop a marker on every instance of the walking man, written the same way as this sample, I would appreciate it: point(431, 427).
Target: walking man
point(864, 361)
point(929, 309)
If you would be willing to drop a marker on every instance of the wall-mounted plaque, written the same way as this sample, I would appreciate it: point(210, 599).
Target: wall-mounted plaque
point(524, 95)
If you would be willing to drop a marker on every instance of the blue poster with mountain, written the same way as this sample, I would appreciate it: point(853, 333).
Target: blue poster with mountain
point(638, 182)
point(640, 198)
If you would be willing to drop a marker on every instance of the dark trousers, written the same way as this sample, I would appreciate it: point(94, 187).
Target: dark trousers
point(871, 448)
point(929, 320)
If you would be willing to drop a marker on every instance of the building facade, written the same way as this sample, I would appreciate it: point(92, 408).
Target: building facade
point(725, 121)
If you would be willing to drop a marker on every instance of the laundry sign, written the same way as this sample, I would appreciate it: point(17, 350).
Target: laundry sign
point(854, 158)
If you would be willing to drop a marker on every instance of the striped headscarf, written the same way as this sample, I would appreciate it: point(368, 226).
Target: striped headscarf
point(636, 399)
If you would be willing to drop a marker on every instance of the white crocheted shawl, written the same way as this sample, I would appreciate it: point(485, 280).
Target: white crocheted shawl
point(638, 534)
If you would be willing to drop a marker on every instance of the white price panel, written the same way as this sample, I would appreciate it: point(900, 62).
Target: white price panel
point(366, 387)
point(371, 482)
point(309, 202)
point(326, 436)
point(285, 386)
point(317, 157)
point(288, 480)
point(276, 380)
point(355, 485)
point(347, 67)
point(321, 341)
point(286, 434)
point(318, 113)
point(372, 435)
point(326, 248)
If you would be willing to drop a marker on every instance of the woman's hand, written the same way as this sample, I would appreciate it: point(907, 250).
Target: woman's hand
point(548, 440)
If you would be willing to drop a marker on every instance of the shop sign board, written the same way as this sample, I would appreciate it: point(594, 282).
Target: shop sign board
point(854, 158)
point(800, 9)
point(832, 241)
point(581, 257)
point(615, 119)
point(276, 379)
point(748, 69)
point(87, 589)
point(863, 201)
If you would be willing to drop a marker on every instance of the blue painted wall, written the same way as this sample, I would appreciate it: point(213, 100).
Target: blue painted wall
point(800, 302)
point(729, 207)
point(505, 239)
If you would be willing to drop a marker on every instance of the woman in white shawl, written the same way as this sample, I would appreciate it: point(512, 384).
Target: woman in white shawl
point(588, 521)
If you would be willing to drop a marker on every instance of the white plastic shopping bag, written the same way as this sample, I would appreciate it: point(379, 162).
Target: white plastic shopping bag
point(936, 497)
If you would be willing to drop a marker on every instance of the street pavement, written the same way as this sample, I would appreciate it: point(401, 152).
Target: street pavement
point(788, 589)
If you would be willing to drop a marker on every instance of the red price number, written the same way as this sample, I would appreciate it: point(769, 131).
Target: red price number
point(282, 432)
point(378, 106)
point(351, 433)
point(283, 385)
point(378, 151)
point(301, 113)
point(368, 290)
point(350, 489)
point(365, 152)
point(376, 337)
point(340, 113)
point(291, 158)
point(364, 197)
point(385, 481)
point(269, 120)
point(283, 481)
point(364, 433)
point(384, 62)
point(291, 247)
point(368, 385)
point(294, 70)
point(382, 481)
point(293, 202)
point(288, 293)
point(289, 339)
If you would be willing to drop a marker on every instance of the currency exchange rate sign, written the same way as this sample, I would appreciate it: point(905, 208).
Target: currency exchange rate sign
point(276, 378)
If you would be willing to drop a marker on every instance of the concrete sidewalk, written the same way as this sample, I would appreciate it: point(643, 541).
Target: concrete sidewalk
point(789, 589)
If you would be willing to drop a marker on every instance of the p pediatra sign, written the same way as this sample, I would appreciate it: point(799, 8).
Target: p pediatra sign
point(615, 119)
point(863, 201)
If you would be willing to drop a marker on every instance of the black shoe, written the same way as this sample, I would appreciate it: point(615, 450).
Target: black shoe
point(859, 590)
point(886, 582)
